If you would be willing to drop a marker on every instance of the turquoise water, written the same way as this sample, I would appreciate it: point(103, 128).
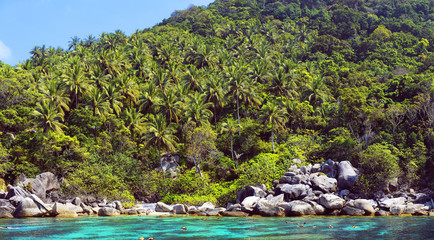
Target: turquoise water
point(133, 227)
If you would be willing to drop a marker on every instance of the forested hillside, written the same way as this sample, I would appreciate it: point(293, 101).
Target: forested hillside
point(238, 89)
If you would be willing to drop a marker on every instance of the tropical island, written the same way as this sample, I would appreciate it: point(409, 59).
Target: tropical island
point(233, 101)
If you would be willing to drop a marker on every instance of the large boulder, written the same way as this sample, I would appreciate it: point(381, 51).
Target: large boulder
point(5, 213)
point(347, 176)
point(49, 181)
point(256, 191)
point(389, 202)
point(293, 192)
point(269, 207)
point(362, 204)
point(179, 209)
point(207, 206)
point(299, 208)
point(249, 203)
point(331, 201)
point(323, 183)
point(66, 210)
point(108, 211)
point(397, 209)
point(330, 168)
point(352, 211)
point(296, 179)
point(162, 207)
point(17, 191)
point(28, 208)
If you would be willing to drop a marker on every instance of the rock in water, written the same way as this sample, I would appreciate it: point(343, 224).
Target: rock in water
point(248, 203)
point(352, 211)
point(331, 201)
point(162, 207)
point(347, 176)
point(28, 208)
point(179, 209)
point(207, 206)
point(299, 208)
point(108, 211)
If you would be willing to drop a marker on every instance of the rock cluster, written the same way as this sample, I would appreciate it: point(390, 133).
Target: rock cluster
point(322, 189)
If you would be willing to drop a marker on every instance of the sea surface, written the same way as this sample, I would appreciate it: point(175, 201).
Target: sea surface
point(134, 227)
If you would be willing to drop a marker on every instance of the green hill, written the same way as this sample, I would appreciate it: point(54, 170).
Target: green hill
point(239, 88)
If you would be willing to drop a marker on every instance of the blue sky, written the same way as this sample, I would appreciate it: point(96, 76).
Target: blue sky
point(28, 23)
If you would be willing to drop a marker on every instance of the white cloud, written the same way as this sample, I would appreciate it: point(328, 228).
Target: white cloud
point(5, 52)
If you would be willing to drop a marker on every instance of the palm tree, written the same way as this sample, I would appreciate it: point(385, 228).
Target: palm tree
point(49, 117)
point(197, 109)
point(169, 105)
point(215, 93)
point(230, 127)
point(135, 121)
point(114, 97)
point(282, 84)
point(317, 91)
point(160, 134)
point(248, 95)
point(236, 77)
point(149, 96)
point(98, 104)
point(127, 86)
point(76, 82)
point(272, 114)
point(53, 91)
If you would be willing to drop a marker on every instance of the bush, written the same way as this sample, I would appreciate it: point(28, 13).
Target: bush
point(378, 164)
point(264, 168)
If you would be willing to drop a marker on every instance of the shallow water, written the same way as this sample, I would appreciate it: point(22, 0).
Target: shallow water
point(133, 227)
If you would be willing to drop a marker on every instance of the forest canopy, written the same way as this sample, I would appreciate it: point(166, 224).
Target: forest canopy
point(237, 90)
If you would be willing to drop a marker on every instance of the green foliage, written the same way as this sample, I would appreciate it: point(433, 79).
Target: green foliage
point(224, 87)
point(379, 164)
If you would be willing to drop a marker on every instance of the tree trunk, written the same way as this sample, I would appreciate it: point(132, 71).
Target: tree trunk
point(238, 114)
point(232, 152)
point(272, 136)
point(198, 168)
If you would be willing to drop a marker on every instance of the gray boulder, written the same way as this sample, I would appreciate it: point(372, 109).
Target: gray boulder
point(397, 209)
point(249, 203)
point(352, 211)
point(269, 208)
point(216, 212)
point(323, 183)
point(162, 207)
point(347, 176)
point(389, 202)
point(297, 179)
point(207, 206)
point(179, 209)
point(66, 210)
point(49, 181)
point(330, 168)
point(362, 204)
point(331, 201)
point(299, 208)
point(234, 207)
point(316, 168)
point(5, 213)
point(17, 191)
point(293, 192)
point(118, 205)
point(256, 191)
point(28, 208)
point(108, 211)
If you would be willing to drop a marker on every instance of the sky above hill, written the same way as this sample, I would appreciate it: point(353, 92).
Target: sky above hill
point(29, 23)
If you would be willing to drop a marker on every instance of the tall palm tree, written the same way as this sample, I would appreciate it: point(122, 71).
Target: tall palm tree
point(114, 97)
point(169, 105)
point(77, 83)
point(197, 109)
point(128, 87)
point(215, 93)
point(53, 91)
point(135, 121)
point(230, 127)
point(282, 84)
point(160, 134)
point(49, 117)
point(249, 95)
point(97, 103)
point(148, 97)
point(236, 78)
point(272, 114)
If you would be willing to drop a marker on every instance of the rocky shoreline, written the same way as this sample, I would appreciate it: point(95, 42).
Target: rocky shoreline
point(321, 189)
